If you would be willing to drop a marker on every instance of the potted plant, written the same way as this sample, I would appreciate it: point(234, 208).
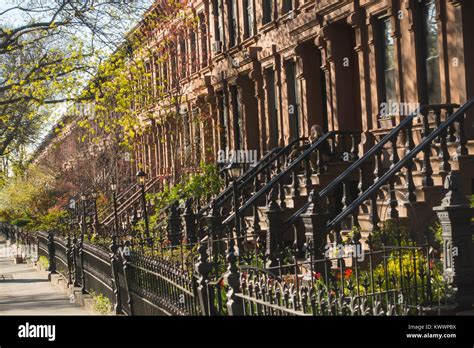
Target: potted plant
point(387, 121)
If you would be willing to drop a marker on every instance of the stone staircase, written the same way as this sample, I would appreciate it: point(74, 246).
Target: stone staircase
point(406, 197)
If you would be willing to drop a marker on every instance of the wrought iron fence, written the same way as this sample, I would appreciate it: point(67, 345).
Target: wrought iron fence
point(393, 281)
point(158, 286)
point(215, 277)
point(42, 242)
point(135, 283)
point(61, 258)
point(97, 271)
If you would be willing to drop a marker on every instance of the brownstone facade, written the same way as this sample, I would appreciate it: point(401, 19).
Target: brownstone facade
point(259, 73)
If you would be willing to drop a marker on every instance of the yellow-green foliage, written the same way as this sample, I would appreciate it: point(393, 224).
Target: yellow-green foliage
point(102, 304)
point(26, 195)
point(412, 261)
point(43, 262)
point(124, 91)
point(201, 185)
point(55, 221)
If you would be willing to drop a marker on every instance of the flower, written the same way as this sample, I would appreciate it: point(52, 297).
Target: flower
point(317, 275)
point(347, 273)
point(432, 264)
point(221, 283)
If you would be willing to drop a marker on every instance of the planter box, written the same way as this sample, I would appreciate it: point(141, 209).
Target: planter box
point(387, 123)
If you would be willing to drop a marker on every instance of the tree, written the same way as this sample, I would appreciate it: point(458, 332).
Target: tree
point(48, 50)
point(139, 85)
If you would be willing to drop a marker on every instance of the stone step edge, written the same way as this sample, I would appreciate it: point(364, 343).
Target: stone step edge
point(84, 300)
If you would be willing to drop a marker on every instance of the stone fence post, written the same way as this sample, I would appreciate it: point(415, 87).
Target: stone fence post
point(455, 214)
point(203, 268)
point(174, 225)
point(273, 212)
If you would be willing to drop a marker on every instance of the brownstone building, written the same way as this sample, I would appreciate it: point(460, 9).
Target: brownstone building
point(266, 71)
point(256, 74)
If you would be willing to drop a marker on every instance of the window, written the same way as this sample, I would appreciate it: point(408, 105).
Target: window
point(386, 72)
point(204, 50)
point(293, 104)
point(148, 81)
point(182, 54)
point(431, 53)
point(222, 109)
point(193, 52)
point(232, 13)
point(158, 75)
point(427, 55)
point(165, 76)
point(237, 117)
point(249, 22)
point(218, 20)
point(187, 136)
point(272, 106)
point(267, 6)
point(174, 66)
point(287, 6)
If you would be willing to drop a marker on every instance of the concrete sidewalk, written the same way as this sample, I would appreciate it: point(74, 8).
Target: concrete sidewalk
point(25, 291)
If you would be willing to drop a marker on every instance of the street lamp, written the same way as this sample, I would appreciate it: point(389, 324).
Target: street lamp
point(72, 210)
point(141, 177)
point(233, 171)
point(113, 187)
point(95, 195)
point(84, 227)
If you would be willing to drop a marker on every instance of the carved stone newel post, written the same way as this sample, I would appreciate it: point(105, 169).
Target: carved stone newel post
point(455, 215)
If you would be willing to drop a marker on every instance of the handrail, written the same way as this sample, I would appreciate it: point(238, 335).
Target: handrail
point(249, 175)
point(400, 164)
point(343, 176)
point(221, 197)
point(118, 198)
point(132, 199)
point(282, 174)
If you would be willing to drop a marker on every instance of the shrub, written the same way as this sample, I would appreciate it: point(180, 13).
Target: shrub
point(55, 220)
point(400, 273)
point(200, 187)
point(21, 222)
point(102, 304)
point(43, 262)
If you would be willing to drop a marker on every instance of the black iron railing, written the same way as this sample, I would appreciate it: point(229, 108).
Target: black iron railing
point(129, 202)
point(374, 155)
point(380, 286)
point(401, 279)
point(249, 177)
point(135, 283)
point(440, 133)
point(293, 168)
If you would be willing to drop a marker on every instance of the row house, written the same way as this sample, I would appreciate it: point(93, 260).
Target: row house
point(255, 74)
